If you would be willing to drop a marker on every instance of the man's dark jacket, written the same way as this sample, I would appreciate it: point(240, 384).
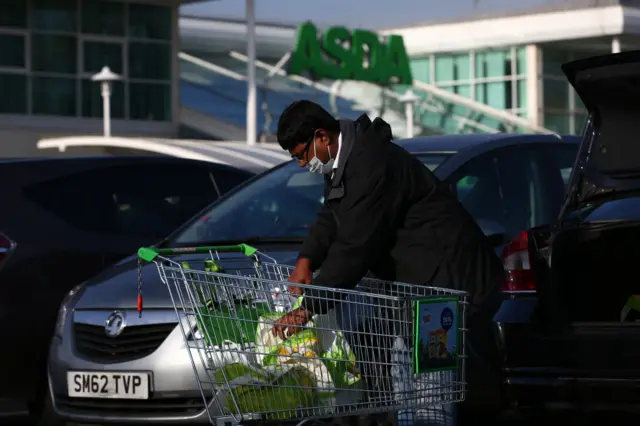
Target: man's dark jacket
point(385, 212)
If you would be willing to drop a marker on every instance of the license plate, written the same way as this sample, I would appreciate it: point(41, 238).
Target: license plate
point(86, 384)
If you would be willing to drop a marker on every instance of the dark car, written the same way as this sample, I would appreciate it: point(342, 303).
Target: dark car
point(508, 182)
point(569, 327)
point(64, 220)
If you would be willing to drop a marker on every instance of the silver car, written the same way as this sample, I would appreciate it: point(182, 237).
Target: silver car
point(107, 365)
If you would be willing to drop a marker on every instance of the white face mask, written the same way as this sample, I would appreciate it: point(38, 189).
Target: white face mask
point(317, 166)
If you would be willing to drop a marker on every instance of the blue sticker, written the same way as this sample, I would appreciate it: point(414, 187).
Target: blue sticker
point(446, 318)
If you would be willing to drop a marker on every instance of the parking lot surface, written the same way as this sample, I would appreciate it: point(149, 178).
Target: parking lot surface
point(556, 419)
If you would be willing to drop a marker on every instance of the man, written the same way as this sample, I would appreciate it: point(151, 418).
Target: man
point(384, 212)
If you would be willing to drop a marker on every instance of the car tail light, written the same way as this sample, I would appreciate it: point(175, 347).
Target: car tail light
point(6, 247)
point(517, 267)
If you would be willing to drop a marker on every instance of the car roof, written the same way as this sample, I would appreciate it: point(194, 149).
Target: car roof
point(462, 142)
point(88, 158)
point(117, 159)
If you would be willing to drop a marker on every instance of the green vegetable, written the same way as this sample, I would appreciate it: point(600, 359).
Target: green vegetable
point(277, 396)
point(221, 324)
point(235, 371)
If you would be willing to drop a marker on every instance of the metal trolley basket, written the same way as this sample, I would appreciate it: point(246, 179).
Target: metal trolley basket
point(382, 347)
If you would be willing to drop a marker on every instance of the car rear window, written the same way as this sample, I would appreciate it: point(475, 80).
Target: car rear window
point(142, 199)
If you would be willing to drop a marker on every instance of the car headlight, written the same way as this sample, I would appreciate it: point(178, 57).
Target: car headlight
point(64, 309)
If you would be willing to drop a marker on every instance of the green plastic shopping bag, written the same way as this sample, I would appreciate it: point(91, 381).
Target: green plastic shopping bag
point(218, 322)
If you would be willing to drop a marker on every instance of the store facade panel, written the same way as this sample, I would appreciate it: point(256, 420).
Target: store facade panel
point(49, 49)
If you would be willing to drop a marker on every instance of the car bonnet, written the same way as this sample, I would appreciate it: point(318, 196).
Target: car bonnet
point(116, 287)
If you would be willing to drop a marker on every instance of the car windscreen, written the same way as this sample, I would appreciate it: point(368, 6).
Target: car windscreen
point(280, 204)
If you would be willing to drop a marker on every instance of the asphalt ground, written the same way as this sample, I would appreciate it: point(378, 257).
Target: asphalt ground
point(534, 419)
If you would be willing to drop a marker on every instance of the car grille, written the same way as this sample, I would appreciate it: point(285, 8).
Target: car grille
point(133, 343)
point(157, 407)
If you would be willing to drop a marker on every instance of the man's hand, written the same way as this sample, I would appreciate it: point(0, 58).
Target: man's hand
point(301, 274)
point(291, 323)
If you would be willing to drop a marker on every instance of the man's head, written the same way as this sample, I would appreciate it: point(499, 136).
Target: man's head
point(307, 130)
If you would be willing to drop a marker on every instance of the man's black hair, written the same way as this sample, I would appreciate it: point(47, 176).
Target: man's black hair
point(300, 120)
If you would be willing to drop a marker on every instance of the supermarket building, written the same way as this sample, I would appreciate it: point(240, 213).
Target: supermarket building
point(187, 76)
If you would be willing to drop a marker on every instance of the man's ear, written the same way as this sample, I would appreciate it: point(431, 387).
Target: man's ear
point(323, 138)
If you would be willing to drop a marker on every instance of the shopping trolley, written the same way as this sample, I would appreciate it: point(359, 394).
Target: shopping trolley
point(381, 347)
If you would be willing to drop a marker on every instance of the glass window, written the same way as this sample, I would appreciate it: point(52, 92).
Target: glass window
point(491, 63)
point(14, 94)
point(522, 185)
point(100, 54)
point(556, 94)
point(54, 96)
point(558, 122)
point(421, 69)
point(150, 101)
point(552, 59)
point(92, 99)
point(494, 94)
point(462, 90)
point(452, 67)
point(444, 68)
point(280, 204)
point(151, 22)
point(522, 94)
point(150, 61)
point(561, 158)
point(478, 179)
point(500, 190)
point(55, 15)
point(462, 64)
point(226, 180)
point(13, 13)
point(156, 199)
point(12, 48)
point(578, 104)
point(77, 200)
point(580, 120)
point(521, 60)
point(433, 161)
point(103, 17)
point(141, 199)
point(54, 53)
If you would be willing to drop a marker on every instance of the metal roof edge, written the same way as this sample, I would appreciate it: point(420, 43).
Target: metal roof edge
point(570, 5)
point(230, 153)
point(520, 30)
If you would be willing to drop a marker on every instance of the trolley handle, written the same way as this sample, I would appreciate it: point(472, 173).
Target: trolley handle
point(148, 254)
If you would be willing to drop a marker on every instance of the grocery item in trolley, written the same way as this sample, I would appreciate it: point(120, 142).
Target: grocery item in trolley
point(309, 361)
point(245, 372)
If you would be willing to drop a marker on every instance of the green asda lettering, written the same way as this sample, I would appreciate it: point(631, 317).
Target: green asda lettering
point(340, 54)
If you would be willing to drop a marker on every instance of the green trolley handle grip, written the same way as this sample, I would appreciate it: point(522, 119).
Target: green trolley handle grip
point(148, 254)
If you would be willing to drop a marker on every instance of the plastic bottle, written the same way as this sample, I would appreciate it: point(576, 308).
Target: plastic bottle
point(402, 379)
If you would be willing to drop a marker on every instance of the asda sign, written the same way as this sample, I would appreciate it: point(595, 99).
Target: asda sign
point(340, 54)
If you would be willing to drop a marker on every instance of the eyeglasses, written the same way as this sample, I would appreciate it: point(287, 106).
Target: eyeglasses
point(300, 156)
